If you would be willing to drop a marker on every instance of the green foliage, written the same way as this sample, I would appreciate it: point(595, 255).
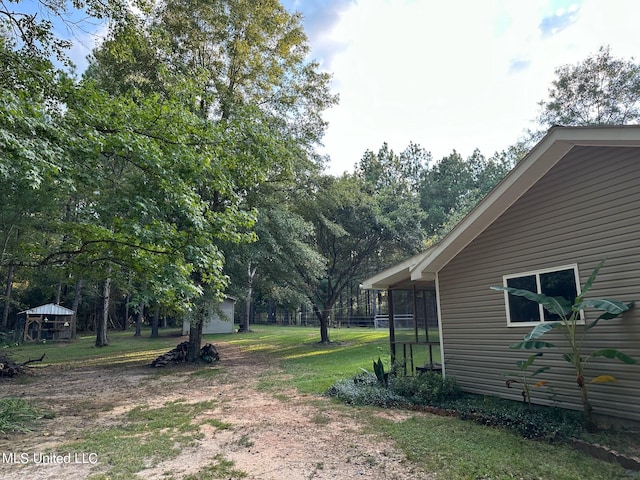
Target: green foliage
point(537, 422)
point(599, 90)
point(381, 375)
point(462, 450)
point(570, 315)
point(524, 377)
point(350, 227)
point(365, 389)
point(18, 415)
point(453, 186)
point(427, 388)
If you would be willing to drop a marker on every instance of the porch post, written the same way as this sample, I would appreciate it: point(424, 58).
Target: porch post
point(415, 313)
point(392, 327)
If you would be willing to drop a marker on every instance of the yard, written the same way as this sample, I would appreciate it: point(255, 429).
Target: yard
point(257, 414)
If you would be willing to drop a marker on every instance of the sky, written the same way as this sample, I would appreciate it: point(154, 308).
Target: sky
point(450, 75)
point(446, 75)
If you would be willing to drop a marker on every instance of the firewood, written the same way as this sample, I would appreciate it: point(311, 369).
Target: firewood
point(208, 353)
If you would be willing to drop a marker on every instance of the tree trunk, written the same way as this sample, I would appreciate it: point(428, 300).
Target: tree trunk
point(323, 317)
point(58, 292)
point(7, 297)
point(195, 338)
point(125, 324)
point(155, 320)
point(324, 328)
point(76, 303)
point(103, 318)
point(251, 272)
point(139, 319)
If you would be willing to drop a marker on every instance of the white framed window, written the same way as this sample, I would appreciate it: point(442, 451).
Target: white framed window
point(560, 281)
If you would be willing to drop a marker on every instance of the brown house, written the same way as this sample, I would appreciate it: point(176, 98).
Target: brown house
point(571, 202)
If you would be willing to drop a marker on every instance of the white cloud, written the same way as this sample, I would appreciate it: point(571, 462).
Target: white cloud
point(457, 75)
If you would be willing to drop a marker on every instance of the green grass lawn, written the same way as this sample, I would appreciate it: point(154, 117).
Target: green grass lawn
point(308, 365)
point(123, 349)
point(312, 367)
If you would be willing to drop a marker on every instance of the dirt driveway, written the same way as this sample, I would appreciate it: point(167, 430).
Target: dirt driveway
point(283, 435)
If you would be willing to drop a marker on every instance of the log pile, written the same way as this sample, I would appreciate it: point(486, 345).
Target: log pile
point(10, 368)
point(208, 353)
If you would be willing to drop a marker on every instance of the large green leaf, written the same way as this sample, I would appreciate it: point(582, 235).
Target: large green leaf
point(523, 364)
point(615, 354)
point(540, 370)
point(592, 278)
point(570, 357)
point(614, 307)
point(558, 305)
point(607, 316)
point(541, 329)
point(529, 344)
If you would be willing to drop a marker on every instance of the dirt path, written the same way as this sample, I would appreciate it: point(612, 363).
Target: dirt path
point(286, 436)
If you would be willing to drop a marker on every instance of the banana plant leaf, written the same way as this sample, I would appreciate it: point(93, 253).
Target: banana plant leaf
point(592, 278)
point(613, 307)
point(569, 357)
point(608, 316)
point(604, 379)
point(539, 370)
point(541, 329)
point(523, 364)
point(558, 305)
point(529, 344)
point(615, 354)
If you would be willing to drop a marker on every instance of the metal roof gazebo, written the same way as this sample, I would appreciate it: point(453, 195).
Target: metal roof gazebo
point(47, 322)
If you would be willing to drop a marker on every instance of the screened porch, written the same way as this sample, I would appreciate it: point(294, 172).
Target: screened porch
point(412, 318)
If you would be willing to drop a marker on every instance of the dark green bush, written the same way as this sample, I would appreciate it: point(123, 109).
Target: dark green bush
point(364, 389)
point(539, 422)
point(428, 388)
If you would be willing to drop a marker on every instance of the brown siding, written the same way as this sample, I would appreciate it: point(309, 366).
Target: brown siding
point(585, 209)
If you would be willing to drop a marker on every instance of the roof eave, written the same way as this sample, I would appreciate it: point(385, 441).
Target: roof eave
point(394, 275)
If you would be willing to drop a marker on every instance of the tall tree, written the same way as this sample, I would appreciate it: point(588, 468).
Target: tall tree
point(453, 186)
point(248, 53)
point(351, 230)
point(599, 90)
point(265, 267)
point(241, 69)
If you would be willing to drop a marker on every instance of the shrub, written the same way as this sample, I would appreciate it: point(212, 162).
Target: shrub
point(364, 389)
point(428, 388)
point(542, 423)
point(551, 424)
